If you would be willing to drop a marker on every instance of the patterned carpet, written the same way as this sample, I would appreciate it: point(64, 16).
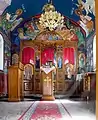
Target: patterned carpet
point(46, 110)
point(72, 109)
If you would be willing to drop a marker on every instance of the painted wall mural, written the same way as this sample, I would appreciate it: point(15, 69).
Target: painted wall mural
point(81, 11)
point(90, 54)
point(30, 29)
point(3, 5)
point(84, 9)
point(10, 21)
point(7, 63)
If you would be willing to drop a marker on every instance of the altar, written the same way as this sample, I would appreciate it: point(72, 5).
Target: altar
point(47, 83)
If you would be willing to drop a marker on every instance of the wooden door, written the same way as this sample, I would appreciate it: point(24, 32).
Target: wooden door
point(60, 74)
point(28, 79)
point(37, 83)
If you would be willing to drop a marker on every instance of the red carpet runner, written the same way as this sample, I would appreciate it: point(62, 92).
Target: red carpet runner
point(46, 110)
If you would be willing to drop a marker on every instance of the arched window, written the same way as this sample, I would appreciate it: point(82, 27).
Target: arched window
point(1, 52)
point(94, 53)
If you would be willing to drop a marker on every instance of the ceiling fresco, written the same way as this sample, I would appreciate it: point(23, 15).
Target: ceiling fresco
point(33, 7)
point(21, 18)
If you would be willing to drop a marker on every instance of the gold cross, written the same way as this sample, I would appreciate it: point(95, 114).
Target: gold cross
point(47, 80)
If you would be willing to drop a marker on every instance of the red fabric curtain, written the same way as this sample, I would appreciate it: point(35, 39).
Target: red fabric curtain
point(68, 55)
point(47, 54)
point(27, 55)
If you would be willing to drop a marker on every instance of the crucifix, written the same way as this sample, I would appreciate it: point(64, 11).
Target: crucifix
point(47, 80)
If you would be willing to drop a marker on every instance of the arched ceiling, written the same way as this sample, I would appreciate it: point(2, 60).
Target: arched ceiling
point(33, 7)
point(81, 12)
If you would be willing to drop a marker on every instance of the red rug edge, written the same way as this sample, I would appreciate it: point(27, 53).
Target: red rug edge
point(26, 111)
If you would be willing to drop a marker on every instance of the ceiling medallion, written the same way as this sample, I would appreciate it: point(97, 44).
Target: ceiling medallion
point(51, 19)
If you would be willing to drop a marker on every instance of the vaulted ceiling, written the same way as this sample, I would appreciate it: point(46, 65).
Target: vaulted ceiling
point(78, 13)
point(33, 7)
point(81, 12)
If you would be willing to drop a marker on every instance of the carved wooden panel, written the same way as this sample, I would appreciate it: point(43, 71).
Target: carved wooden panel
point(68, 85)
point(37, 82)
point(54, 86)
point(60, 87)
point(60, 76)
point(60, 48)
point(87, 83)
point(37, 86)
point(37, 60)
point(27, 86)
point(15, 86)
point(28, 79)
point(37, 75)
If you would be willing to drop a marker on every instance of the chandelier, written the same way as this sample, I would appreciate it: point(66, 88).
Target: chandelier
point(50, 18)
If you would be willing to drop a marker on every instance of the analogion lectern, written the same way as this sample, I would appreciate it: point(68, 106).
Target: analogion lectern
point(47, 83)
point(15, 82)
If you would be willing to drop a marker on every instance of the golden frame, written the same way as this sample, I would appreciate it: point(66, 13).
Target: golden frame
point(30, 66)
point(71, 66)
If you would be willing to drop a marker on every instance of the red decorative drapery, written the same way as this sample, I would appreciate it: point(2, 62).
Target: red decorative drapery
point(47, 55)
point(68, 55)
point(28, 55)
